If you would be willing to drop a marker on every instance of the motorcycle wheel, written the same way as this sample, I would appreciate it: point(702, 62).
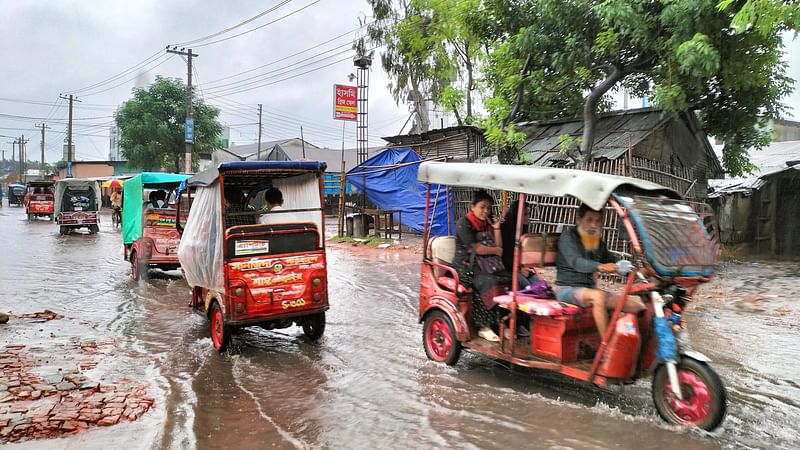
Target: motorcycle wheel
point(704, 400)
point(314, 326)
point(439, 338)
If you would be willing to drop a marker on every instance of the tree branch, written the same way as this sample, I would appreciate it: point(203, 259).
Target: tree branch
point(520, 90)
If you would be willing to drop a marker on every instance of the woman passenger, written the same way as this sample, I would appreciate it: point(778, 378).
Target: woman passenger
point(479, 232)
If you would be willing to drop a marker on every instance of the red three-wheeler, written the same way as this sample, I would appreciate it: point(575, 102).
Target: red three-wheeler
point(672, 253)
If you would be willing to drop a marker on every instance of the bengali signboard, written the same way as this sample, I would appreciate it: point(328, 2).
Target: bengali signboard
point(345, 102)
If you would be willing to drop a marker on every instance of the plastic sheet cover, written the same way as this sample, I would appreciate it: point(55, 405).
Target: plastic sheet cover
point(299, 192)
point(201, 247)
point(393, 185)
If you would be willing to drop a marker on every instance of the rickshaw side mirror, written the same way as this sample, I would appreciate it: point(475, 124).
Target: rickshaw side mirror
point(179, 222)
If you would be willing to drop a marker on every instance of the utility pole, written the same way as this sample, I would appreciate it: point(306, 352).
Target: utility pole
point(43, 127)
point(189, 124)
point(70, 148)
point(23, 159)
point(13, 150)
point(259, 131)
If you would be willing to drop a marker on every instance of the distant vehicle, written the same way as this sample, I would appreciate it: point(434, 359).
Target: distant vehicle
point(16, 194)
point(41, 200)
point(249, 270)
point(149, 236)
point(77, 202)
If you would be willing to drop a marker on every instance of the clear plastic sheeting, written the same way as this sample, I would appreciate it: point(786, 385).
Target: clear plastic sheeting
point(299, 193)
point(201, 247)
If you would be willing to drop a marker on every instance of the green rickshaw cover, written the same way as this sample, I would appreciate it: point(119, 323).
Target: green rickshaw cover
point(133, 200)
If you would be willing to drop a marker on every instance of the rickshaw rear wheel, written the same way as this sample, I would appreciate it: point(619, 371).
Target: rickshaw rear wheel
point(704, 400)
point(138, 269)
point(439, 338)
point(314, 326)
point(220, 333)
point(62, 230)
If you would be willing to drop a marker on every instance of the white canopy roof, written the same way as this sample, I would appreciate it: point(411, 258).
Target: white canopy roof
point(591, 188)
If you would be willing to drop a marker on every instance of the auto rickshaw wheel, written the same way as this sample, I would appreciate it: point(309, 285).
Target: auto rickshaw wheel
point(314, 326)
point(138, 269)
point(439, 338)
point(220, 333)
point(62, 230)
point(704, 400)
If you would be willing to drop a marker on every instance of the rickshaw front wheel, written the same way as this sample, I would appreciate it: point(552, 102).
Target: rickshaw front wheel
point(220, 333)
point(439, 338)
point(704, 401)
point(314, 326)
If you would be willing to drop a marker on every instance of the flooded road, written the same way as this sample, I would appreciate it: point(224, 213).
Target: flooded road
point(367, 382)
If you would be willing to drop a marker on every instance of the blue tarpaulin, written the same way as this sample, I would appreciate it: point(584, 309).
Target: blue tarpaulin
point(398, 188)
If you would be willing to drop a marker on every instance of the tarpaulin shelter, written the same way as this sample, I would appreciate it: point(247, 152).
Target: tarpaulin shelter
point(391, 183)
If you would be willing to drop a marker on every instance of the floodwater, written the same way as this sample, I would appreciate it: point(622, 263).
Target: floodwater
point(367, 383)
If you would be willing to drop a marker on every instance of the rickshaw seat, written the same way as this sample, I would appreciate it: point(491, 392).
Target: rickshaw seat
point(539, 249)
point(443, 250)
point(534, 306)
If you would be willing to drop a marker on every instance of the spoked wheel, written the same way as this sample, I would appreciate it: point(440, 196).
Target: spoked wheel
point(439, 338)
point(314, 326)
point(704, 403)
point(220, 333)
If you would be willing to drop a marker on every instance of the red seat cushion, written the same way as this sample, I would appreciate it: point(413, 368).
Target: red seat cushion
point(450, 284)
point(549, 307)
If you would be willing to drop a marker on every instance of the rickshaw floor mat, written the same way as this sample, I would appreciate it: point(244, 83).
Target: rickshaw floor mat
point(547, 307)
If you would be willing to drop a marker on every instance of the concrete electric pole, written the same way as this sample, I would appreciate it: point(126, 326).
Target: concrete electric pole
point(189, 124)
point(43, 127)
point(259, 131)
point(70, 146)
point(23, 159)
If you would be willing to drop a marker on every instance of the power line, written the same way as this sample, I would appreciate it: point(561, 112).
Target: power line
point(168, 57)
point(245, 81)
point(289, 56)
point(121, 74)
point(245, 22)
point(260, 26)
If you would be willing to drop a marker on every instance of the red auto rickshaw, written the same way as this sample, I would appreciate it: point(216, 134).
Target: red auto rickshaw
point(41, 200)
point(249, 265)
point(149, 215)
point(77, 204)
point(672, 253)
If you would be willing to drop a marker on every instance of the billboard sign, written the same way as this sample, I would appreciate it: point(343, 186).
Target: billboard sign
point(345, 102)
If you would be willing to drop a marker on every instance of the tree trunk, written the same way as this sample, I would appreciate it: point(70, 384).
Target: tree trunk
point(470, 80)
point(520, 91)
point(590, 115)
point(420, 108)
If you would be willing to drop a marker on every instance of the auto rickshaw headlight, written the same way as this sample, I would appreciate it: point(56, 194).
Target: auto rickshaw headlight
point(238, 292)
point(316, 281)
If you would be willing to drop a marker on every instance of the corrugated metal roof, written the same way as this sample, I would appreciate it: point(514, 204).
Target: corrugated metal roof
point(768, 161)
point(613, 135)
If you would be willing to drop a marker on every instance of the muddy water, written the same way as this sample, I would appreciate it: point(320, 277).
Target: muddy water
point(367, 383)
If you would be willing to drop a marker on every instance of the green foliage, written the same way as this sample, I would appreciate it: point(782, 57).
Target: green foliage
point(545, 59)
point(682, 53)
point(151, 125)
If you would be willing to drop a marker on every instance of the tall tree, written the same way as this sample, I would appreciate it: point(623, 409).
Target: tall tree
point(552, 58)
point(151, 126)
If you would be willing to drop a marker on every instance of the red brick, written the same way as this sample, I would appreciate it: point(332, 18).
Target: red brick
point(108, 420)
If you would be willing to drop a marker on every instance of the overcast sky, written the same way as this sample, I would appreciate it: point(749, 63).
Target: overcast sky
point(63, 46)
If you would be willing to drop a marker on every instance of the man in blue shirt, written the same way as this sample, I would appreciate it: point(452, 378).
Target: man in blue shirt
point(581, 254)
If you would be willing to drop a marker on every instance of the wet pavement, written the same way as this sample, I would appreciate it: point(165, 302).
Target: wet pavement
point(367, 382)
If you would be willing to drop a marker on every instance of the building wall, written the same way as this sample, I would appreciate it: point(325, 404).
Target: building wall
point(734, 215)
point(787, 220)
point(88, 170)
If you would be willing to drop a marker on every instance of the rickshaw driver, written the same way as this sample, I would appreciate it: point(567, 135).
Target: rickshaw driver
point(581, 253)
